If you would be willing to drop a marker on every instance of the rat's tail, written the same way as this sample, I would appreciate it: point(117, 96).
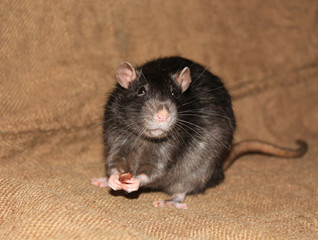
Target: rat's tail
point(256, 146)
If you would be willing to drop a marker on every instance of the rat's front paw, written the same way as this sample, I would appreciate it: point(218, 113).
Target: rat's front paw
point(114, 183)
point(131, 185)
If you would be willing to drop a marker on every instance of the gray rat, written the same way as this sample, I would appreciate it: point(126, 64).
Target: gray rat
point(170, 123)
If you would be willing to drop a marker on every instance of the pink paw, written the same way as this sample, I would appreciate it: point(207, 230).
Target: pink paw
point(100, 182)
point(167, 203)
point(114, 183)
point(131, 185)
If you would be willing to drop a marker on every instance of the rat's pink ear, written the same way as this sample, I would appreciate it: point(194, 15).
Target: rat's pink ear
point(126, 74)
point(183, 78)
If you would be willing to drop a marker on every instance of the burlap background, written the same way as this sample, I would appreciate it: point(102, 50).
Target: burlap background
point(57, 64)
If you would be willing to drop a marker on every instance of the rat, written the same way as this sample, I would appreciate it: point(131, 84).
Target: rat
point(170, 124)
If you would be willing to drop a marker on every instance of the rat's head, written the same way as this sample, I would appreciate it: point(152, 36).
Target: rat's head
point(149, 98)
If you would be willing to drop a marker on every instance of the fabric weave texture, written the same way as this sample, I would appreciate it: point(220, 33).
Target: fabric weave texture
point(57, 66)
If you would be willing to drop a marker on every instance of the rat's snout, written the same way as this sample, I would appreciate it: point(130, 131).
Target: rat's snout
point(162, 115)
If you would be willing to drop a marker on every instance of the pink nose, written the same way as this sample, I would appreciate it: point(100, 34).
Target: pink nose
point(162, 115)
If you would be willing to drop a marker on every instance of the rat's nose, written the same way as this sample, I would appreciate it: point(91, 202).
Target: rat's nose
point(162, 115)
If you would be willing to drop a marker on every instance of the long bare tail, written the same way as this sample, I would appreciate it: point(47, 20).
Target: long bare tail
point(257, 146)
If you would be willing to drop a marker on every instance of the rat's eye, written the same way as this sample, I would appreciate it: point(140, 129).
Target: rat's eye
point(142, 91)
point(173, 93)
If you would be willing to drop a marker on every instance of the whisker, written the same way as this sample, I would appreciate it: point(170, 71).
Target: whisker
point(197, 126)
point(206, 68)
point(203, 115)
point(142, 74)
point(184, 123)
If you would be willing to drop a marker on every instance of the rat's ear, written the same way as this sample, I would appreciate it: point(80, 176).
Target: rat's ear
point(126, 74)
point(183, 78)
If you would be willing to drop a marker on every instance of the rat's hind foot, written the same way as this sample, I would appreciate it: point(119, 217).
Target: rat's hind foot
point(100, 182)
point(175, 201)
point(169, 203)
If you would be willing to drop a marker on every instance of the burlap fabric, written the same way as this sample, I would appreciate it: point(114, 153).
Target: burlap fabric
point(57, 64)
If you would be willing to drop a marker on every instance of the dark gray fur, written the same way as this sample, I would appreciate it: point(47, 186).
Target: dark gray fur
point(189, 158)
